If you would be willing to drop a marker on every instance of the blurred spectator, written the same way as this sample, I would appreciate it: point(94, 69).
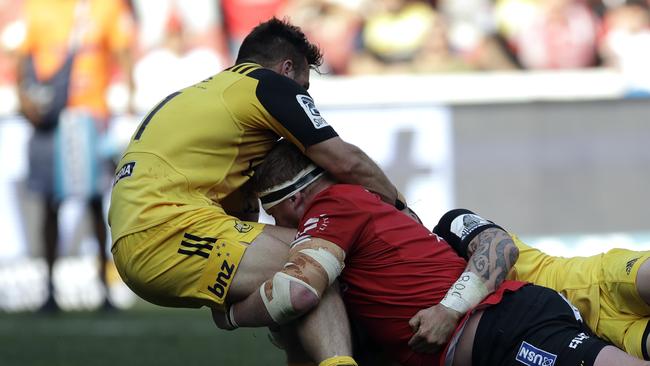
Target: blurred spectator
point(174, 64)
point(625, 44)
point(392, 35)
point(11, 33)
point(436, 55)
point(468, 22)
point(240, 16)
point(200, 19)
point(82, 37)
point(332, 24)
point(554, 34)
point(472, 33)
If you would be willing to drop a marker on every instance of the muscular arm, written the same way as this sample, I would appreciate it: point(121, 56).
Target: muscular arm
point(312, 267)
point(491, 252)
point(349, 164)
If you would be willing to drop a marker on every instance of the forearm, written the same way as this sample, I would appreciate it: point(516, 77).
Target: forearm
point(493, 253)
point(349, 164)
point(251, 312)
point(368, 174)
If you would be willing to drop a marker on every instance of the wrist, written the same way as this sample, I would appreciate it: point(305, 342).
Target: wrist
point(230, 318)
point(467, 292)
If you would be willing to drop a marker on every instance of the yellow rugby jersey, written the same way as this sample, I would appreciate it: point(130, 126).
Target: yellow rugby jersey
point(577, 278)
point(201, 143)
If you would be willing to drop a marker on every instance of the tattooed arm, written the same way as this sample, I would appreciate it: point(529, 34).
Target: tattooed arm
point(491, 253)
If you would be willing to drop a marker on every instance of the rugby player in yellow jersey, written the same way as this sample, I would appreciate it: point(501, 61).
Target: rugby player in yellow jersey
point(182, 221)
point(611, 290)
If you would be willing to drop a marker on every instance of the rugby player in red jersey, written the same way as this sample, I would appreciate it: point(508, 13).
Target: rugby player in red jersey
point(391, 268)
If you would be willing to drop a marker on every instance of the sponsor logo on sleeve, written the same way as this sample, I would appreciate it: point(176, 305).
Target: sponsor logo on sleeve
point(533, 356)
point(319, 223)
point(125, 171)
point(312, 112)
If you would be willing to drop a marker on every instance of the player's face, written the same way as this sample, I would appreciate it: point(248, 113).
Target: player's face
point(285, 214)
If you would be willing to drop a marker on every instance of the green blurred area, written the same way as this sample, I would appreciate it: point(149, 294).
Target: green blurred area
point(142, 336)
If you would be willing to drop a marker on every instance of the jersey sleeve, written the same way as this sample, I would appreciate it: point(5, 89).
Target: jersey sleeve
point(293, 108)
point(335, 219)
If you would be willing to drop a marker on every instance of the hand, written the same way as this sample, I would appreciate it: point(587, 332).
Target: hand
point(221, 320)
point(433, 327)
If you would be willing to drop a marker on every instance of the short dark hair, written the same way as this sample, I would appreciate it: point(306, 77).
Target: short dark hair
point(281, 164)
point(275, 39)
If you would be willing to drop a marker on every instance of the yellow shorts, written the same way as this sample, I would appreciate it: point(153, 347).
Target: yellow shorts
point(623, 314)
point(189, 261)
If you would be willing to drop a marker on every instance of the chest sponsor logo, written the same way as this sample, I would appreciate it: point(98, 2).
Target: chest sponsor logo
point(312, 112)
point(533, 356)
point(125, 171)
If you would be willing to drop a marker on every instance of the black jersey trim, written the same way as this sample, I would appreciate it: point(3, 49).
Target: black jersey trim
point(243, 67)
point(279, 96)
point(147, 119)
point(245, 70)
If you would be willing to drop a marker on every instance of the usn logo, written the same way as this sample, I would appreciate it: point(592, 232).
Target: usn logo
point(533, 356)
point(312, 112)
point(125, 171)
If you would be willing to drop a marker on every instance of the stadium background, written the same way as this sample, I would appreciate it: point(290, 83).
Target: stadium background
point(556, 152)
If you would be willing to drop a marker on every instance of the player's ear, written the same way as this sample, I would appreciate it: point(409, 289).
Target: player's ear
point(286, 68)
point(297, 199)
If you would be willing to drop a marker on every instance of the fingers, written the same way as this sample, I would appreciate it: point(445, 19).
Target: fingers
point(415, 322)
point(419, 343)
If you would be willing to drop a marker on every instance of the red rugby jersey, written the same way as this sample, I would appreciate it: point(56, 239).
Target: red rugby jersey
point(394, 267)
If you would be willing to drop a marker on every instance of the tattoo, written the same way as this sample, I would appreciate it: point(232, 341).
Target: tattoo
point(494, 253)
point(501, 263)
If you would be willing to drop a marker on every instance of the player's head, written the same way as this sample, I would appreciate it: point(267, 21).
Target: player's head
point(278, 45)
point(281, 180)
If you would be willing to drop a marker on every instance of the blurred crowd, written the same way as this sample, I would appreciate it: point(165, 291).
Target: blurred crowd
point(384, 36)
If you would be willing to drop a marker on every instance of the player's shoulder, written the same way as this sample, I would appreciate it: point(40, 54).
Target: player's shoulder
point(351, 193)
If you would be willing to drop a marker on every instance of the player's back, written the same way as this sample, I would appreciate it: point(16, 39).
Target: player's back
point(191, 150)
point(577, 278)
